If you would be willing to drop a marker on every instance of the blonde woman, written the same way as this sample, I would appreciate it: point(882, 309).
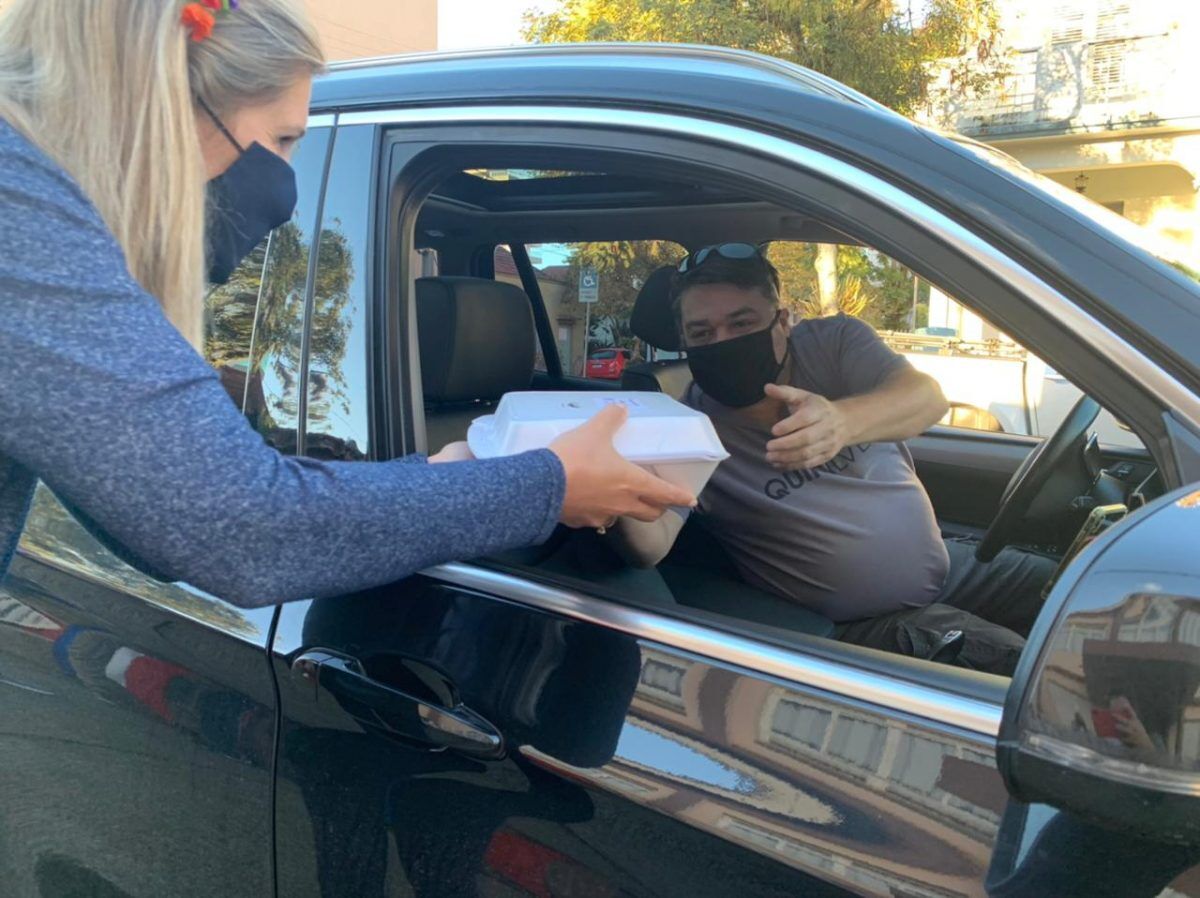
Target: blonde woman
point(121, 122)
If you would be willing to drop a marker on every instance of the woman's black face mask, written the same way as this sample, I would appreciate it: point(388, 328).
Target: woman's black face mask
point(246, 202)
point(735, 372)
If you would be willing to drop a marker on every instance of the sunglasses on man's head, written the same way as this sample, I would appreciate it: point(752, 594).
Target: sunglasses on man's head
point(733, 251)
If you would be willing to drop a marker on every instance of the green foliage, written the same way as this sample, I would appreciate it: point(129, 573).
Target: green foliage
point(879, 47)
point(276, 335)
point(870, 285)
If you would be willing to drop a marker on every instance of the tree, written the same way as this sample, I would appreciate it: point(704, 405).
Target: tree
point(239, 318)
point(894, 51)
point(887, 49)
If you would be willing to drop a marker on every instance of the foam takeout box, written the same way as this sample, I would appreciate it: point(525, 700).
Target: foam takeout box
point(670, 440)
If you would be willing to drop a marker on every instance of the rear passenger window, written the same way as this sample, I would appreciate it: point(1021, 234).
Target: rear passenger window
point(229, 312)
point(252, 335)
point(589, 290)
point(551, 284)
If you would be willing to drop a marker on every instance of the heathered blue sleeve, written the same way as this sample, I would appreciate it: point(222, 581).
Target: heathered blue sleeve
point(103, 400)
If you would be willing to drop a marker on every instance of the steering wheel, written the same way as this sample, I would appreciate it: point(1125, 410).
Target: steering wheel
point(1033, 474)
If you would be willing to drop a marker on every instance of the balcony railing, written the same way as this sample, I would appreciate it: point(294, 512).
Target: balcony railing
point(1061, 85)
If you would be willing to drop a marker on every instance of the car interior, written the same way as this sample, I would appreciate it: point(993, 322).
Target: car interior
point(478, 337)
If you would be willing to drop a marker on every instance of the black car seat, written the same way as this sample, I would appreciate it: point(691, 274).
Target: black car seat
point(476, 340)
point(671, 376)
point(653, 322)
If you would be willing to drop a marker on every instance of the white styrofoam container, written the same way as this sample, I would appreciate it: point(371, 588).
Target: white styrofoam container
point(670, 440)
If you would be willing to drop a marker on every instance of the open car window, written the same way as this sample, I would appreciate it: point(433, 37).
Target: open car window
point(587, 289)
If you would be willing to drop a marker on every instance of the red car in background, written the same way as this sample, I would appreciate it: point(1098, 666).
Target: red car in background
point(608, 364)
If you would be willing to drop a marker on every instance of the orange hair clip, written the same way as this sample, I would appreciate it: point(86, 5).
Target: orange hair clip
point(199, 18)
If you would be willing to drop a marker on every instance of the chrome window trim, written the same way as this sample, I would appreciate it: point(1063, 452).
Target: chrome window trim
point(322, 120)
point(1167, 390)
point(878, 689)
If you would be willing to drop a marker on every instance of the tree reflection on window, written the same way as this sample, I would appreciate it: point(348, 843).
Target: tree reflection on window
point(254, 329)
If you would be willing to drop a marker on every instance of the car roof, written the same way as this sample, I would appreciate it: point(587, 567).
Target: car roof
point(575, 71)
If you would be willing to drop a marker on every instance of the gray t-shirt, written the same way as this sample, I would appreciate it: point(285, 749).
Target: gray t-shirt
point(853, 538)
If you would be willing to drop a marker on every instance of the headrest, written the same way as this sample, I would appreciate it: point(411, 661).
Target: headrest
point(670, 376)
point(476, 338)
point(652, 319)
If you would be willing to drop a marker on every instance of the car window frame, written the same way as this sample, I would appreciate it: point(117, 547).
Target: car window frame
point(807, 172)
point(339, 164)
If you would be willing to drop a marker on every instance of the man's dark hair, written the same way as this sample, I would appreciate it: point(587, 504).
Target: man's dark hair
point(753, 273)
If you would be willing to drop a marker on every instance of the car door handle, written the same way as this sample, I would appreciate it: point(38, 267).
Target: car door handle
point(397, 713)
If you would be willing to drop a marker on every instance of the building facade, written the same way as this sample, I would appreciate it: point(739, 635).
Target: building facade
point(354, 29)
point(1101, 97)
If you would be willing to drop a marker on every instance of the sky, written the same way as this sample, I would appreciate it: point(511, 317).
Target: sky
point(482, 23)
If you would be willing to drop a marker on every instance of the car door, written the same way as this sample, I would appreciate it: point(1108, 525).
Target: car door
point(137, 727)
point(139, 716)
point(479, 730)
point(472, 731)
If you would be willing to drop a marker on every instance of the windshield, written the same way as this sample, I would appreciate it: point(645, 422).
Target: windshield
point(1140, 236)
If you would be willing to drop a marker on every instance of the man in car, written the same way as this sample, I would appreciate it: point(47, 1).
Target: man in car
point(819, 501)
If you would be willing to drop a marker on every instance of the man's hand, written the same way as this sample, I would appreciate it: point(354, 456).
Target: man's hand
point(814, 431)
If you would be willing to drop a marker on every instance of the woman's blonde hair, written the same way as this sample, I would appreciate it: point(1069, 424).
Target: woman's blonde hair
point(107, 88)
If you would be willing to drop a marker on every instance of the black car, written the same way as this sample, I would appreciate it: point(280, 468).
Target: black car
point(548, 722)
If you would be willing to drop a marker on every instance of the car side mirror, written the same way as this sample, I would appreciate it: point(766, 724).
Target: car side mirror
point(1103, 716)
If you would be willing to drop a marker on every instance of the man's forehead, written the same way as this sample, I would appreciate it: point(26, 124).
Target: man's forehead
point(704, 302)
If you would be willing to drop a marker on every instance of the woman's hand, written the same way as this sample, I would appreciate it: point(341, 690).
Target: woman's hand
point(459, 451)
point(601, 485)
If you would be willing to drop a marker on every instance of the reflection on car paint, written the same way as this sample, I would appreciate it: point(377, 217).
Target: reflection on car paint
point(877, 805)
point(55, 538)
point(1191, 500)
point(1105, 695)
point(144, 711)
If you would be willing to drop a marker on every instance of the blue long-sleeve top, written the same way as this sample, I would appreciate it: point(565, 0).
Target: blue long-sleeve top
point(104, 401)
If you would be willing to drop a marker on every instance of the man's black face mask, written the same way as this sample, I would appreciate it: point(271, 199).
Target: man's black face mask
point(735, 372)
point(246, 202)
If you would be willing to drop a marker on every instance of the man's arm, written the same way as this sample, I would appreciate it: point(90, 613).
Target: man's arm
point(642, 544)
point(904, 404)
